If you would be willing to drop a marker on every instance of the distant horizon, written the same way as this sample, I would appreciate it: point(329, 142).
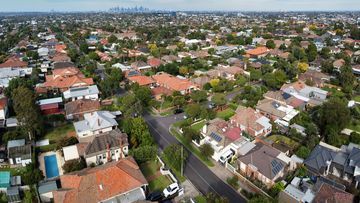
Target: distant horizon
point(22, 6)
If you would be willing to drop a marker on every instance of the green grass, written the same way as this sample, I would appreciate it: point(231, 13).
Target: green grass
point(226, 114)
point(200, 199)
point(159, 184)
point(280, 138)
point(191, 148)
point(57, 133)
point(233, 106)
point(149, 168)
point(357, 98)
point(354, 125)
point(13, 171)
point(199, 125)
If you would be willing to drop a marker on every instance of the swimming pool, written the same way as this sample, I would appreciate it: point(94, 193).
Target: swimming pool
point(51, 167)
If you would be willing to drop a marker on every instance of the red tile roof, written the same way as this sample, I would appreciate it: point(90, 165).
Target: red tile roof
point(3, 102)
point(142, 80)
point(233, 133)
point(330, 194)
point(14, 62)
point(100, 183)
point(154, 62)
point(160, 91)
point(172, 82)
point(258, 51)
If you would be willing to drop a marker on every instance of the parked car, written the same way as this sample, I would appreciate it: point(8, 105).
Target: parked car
point(178, 111)
point(171, 190)
point(155, 196)
point(226, 156)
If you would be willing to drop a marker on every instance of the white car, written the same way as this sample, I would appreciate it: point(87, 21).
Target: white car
point(171, 189)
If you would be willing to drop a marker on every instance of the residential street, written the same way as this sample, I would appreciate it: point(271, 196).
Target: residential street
point(199, 174)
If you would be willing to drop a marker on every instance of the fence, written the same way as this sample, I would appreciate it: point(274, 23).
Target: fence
point(242, 178)
point(164, 171)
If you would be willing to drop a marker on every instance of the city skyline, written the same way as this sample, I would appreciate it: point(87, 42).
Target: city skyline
point(188, 5)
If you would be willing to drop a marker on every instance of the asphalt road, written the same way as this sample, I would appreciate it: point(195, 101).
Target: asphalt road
point(198, 173)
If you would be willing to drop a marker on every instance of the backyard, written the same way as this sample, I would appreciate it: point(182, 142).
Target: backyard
point(151, 171)
point(283, 139)
point(57, 134)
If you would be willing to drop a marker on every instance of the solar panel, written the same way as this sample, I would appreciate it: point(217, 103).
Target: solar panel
point(276, 166)
point(216, 137)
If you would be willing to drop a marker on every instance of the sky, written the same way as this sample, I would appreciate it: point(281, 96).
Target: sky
point(200, 5)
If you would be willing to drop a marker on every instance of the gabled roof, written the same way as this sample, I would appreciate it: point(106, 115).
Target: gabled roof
point(100, 183)
point(95, 121)
point(318, 158)
point(264, 159)
point(172, 82)
point(112, 140)
point(14, 62)
point(330, 194)
point(81, 106)
point(142, 80)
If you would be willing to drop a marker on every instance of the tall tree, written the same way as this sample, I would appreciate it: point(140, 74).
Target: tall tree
point(27, 112)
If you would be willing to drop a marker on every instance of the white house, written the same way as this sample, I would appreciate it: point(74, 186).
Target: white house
point(95, 123)
point(76, 93)
point(43, 51)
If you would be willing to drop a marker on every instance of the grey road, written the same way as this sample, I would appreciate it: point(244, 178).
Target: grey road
point(198, 173)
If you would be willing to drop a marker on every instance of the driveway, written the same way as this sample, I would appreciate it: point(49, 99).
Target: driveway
point(199, 174)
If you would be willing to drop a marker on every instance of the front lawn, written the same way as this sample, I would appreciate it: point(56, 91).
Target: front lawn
point(354, 125)
point(197, 127)
point(159, 184)
point(151, 170)
point(225, 114)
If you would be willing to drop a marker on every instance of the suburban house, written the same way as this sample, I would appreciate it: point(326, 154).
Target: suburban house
point(279, 113)
point(77, 93)
point(51, 106)
point(341, 162)
point(76, 109)
point(302, 190)
point(220, 135)
point(19, 153)
point(142, 80)
point(201, 80)
point(14, 62)
point(227, 72)
point(251, 122)
point(95, 123)
point(159, 92)
point(316, 77)
point(7, 74)
point(258, 52)
point(120, 181)
point(311, 95)
point(106, 147)
point(141, 66)
point(65, 78)
point(285, 99)
point(46, 191)
point(3, 111)
point(184, 86)
point(263, 163)
point(154, 62)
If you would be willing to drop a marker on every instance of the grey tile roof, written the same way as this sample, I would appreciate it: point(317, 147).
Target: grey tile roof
point(81, 91)
point(47, 187)
point(21, 151)
point(318, 158)
point(96, 121)
point(114, 139)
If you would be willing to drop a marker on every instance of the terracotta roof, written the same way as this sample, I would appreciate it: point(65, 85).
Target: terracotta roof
point(14, 62)
point(299, 85)
point(172, 82)
point(258, 51)
point(60, 48)
point(68, 71)
point(330, 194)
point(160, 91)
point(247, 117)
point(81, 106)
point(233, 133)
point(142, 80)
point(100, 183)
point(67, 82)
point(61, 57)
point(154, 62)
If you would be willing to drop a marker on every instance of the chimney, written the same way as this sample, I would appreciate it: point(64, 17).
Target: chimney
point(98, 121)
point(121, 149)
point(108, 152)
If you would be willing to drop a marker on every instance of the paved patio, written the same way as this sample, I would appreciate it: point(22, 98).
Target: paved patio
point(60, 161)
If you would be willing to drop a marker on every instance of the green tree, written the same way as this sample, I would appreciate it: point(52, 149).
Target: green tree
point(198, 96)
point(214, 198)
point(193, 110)
point(303, 152)
point(347, 79)
point(140, 132)
point(355, 137)
point(112, 39)
point(175, 156)
point(32, 174)
point(27, 112)
point(191, 134)
point(270, 44)
point(74, 165)
point(144, 154)
point(94, 56)
point(84, 48)
point(218, 99)
point(255, 74)
point(206, 150)
point(259, 199)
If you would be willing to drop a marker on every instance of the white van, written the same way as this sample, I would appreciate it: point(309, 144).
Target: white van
point(226, 156)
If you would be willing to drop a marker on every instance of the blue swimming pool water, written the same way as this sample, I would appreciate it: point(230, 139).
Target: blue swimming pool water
point(51, 166)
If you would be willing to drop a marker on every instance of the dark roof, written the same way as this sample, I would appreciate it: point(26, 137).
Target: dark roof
point(47, 187)
point(20, 151)
point(264, 158)
point(81, 106)
point(318, 158)
point(63, 65)
point(100, 143)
